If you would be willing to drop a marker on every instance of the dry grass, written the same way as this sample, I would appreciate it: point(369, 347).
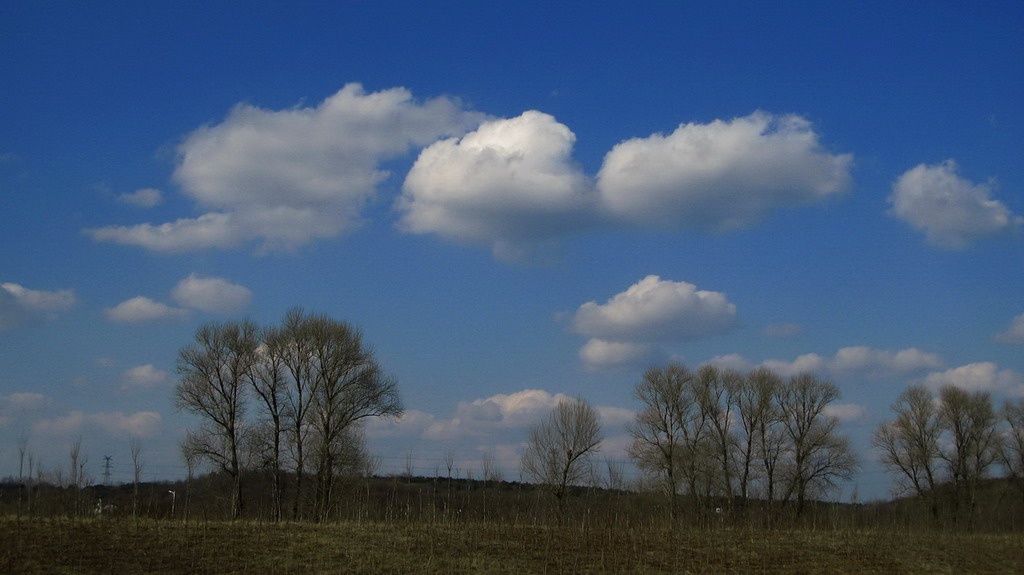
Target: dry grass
point(148, 546)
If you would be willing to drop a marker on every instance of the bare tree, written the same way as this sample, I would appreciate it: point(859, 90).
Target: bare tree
point(215, 374)
point(409, 470)
point(350, 387)
point(658, 430)
point(31, 462)
point(22, 453)
point(615, 474)
point(191, 459)
point(297, 356)
point(559, 449)
point(759, 438)
point(910, 444)
point(77, 479)
point(1012, 452)
point(136, 450)
point(488, 468)
point(268, 382)
point(449, 463)
point(819, 455)
point(717, 393)
point(973, 445)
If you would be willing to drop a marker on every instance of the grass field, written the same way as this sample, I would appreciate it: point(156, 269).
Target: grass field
point(125, 546)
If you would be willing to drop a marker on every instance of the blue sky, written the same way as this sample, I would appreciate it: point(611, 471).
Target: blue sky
point(512, 203)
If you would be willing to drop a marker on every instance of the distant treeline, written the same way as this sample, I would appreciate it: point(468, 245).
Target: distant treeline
point(401, 498)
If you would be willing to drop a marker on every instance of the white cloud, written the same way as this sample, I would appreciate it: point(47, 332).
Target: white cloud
point(1014, 332)
point(211, 294)
point(599, 354)
point(614, 417)
point(208, 294)
point(495, 425)
point(41, 301)
point(845, 412)
point(64, 425)
point(858, 360)
point(865, 359)
point(187, 234)
point(411, 423)
point(654, 310)
point(141, 309)
point(288, 177)
point(650, 311)
point(517, 409)
point(720, 176)
point(490, 417)
point(20, 402)
point(20, 305)
point(733, 361)
point(808, 362)
point(510, 185)
point(145, 376)
point(952, 211)
point(140, 423)
point(144, 198)
point(981, 376)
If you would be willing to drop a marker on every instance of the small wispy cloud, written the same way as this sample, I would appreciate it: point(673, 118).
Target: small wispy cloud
point(143, 198)
point(1014, 333)
point(195, 292)
point(20, 305)
point(141, 309)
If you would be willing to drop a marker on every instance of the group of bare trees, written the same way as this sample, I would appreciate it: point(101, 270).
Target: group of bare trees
point(713, 434)
point(718, 433)
point(287, 399)
point(954, 440)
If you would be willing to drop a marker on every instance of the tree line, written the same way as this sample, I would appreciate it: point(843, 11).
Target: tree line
point(280, 407)
point(940, 447)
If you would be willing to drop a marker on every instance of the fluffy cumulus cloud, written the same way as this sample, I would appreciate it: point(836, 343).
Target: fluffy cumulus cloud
point(655, 310)
point(512, 184)
point(859, 360)
point(622, 330)
point(951, 211)
point(145, 376)
point(287, 177)
point(1014, 333)
point(981, 376)
point(20, 305)
point(213, 295)
point(142, 309)
point(284, 178)
point(509, 184)
point(144, 198)
point(720, 176)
